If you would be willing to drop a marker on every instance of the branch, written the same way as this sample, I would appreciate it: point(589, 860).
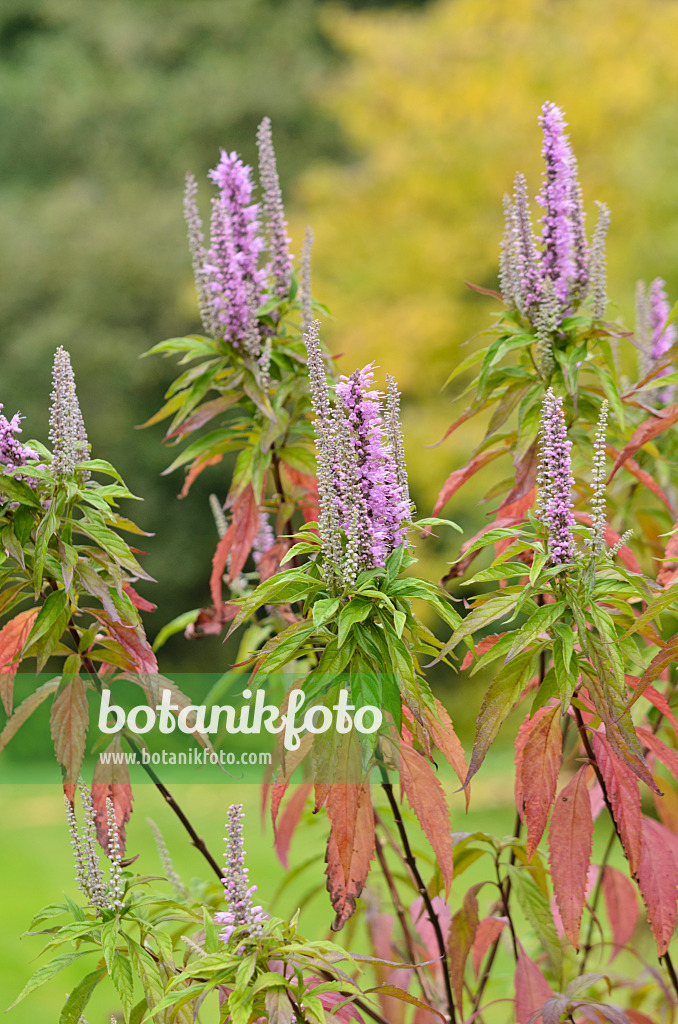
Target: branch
point(423, 892)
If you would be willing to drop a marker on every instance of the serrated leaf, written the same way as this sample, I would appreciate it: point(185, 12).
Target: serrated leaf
point(570, 845)
point(46, 973)
point(74, 1006)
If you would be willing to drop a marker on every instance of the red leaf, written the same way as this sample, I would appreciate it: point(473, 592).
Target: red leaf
point(13, 636)
point(350, 847)
point(69, 720)
point(211, 621)
point(623, 792)
point(459, 477)
point(269, 563)
point(195, 471)
point(668, 573)
point(526, 475)
point(570, 842)
point(236, 542)
point(657, 879)
point(137, 600)
point(289, 820)
point(646, 431)
point(466, 415)
point(462, 933)
point(643, 478)
point(487, 933)
point(661, 661)
point(486, 644)
point(132, 640)
point(532, 990)
point(111, 781)
point(201, 416)
point(656, 698)
point(668, 757)
point(427, 800)
point(538, 749)
point(444, 737)
point(621, 904)
point(636, 1017)
point(309, 503)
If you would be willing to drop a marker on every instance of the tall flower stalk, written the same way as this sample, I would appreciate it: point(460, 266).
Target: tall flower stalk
point(66, 426)
point(240, 911)
point(363, 491)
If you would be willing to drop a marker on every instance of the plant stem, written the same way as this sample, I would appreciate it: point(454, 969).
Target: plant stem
point(400, 913)
point(668, 963)
point(594, 902)
point(196, 840)
point(423, 892)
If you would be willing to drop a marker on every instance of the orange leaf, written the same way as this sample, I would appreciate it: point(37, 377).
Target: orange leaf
point(443, 735)
point(667, 756)
point(350, 847)
point(69, 720)
point(487, 933)
point(621, 904)
point(668, 573)
point(459, 477)
point(646, 431)
point(532, 990)
point(526, 475)
point(570, 843)
point(309, 504)
point(480, 648)
point(195, 471)
point(623, 792)
point(111, 781)
point(13, 636)
point(289, 820)
point(236, 542)
point(643, 478)
point(538, 751)
point(657, 879)
point(427, 800)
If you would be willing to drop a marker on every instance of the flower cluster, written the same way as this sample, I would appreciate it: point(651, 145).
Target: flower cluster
point(247, 259)
point(66, 427)
point(655, 335)
point(598, 503)
point(554, 481)
point(362, 480)
point(12, 453)
point(559, 270)
point(89, 876)
point(237, 891)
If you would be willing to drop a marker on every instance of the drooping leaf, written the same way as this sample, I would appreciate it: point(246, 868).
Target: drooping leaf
point(570, 844)
point(621, 904)
point(12, 639)
point(531, 990)
point(350, 847)
point(69, 721)
point(285, 827)
point(236, 542)
point(535, 906)
point(462, 934)
point(445, 739)
point(26, 709)
point(111, 781)
point(646, 431)
point(459, 476)
point(538, 751)
point(487, 933)
point(657, 880)
point(427, 799)
point(497, 705)
point(623, 792)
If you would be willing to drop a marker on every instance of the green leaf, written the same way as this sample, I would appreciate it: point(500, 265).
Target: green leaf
point(78, 999)
point(535, 907)
point(177, 625)
point(48, 627)
point(481, 616)
point(301, 459)
point(324, 610)
point(356, 610)
point(121, 976)
point(544, 617)
point(46, 973)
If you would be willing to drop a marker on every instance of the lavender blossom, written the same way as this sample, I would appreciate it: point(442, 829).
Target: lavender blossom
point(237, 890)
point(66, 426)
point(233, 279)
point(655, 336)
point(264, 540)
point(115, 886)
point(554, 480)
point(12, 453)
point(562, 220)
point(274, 212)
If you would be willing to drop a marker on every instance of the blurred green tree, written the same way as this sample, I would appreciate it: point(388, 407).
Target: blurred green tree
point(104, 107)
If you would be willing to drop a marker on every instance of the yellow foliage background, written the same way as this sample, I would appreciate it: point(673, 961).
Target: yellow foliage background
point(441, 107)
